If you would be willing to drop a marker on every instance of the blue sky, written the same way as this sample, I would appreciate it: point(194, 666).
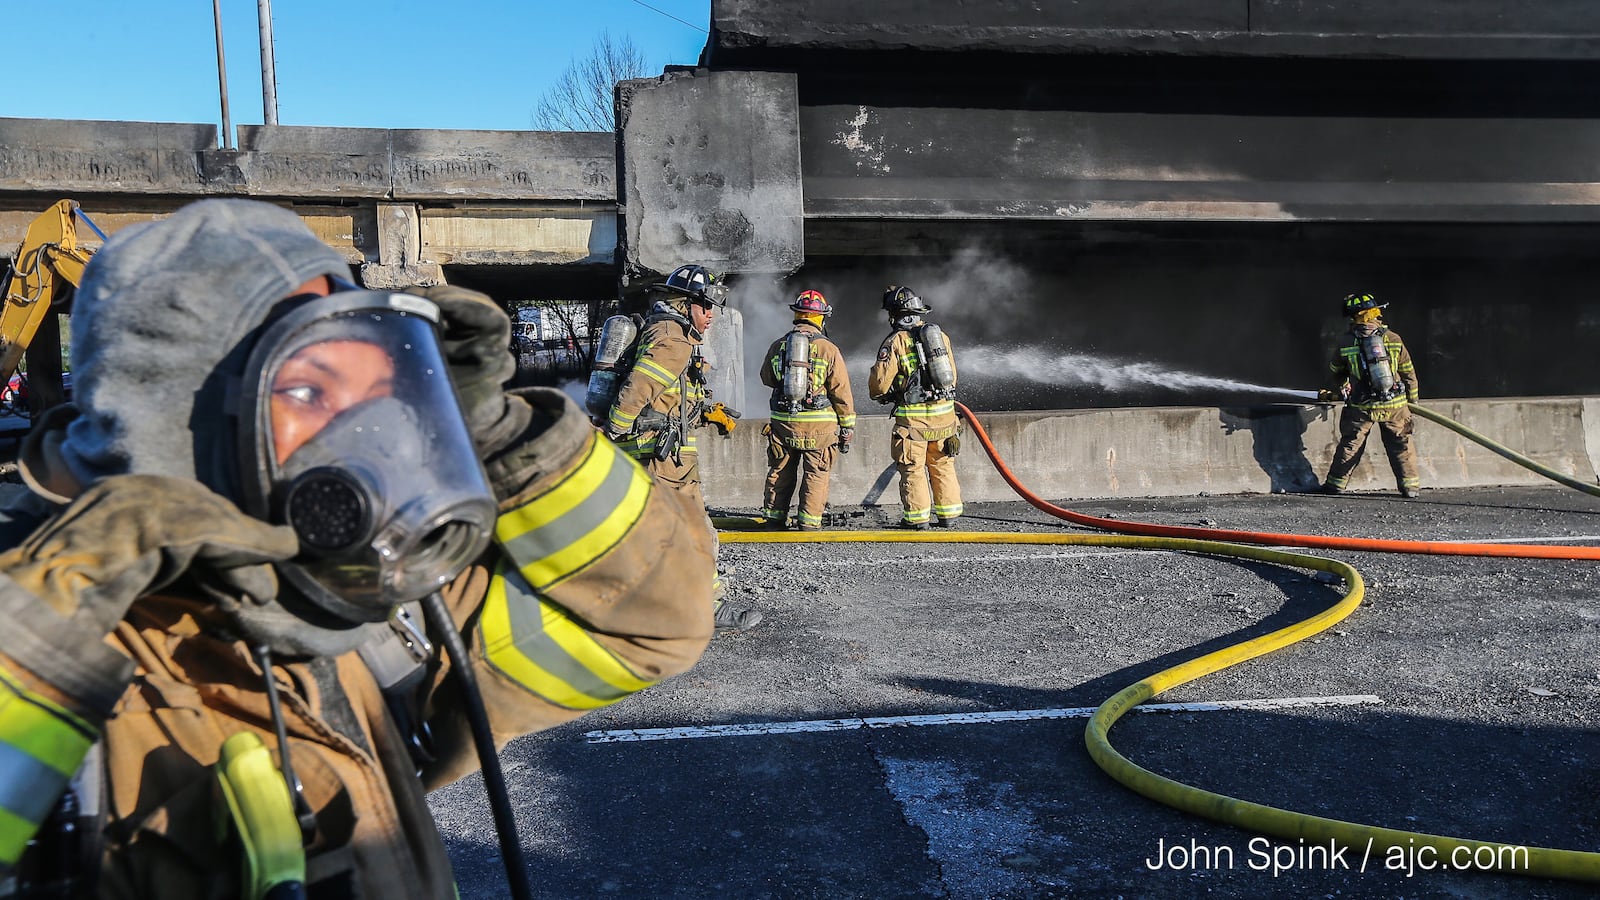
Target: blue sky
point(356, 63)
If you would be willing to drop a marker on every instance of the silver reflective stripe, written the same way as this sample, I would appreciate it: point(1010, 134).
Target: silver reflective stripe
point(527, 633)
point(28, 787)
point(576, 523)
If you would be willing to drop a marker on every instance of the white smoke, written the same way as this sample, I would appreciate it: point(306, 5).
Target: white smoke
point(765, 306)
point(1045, 366)
point(983, 299)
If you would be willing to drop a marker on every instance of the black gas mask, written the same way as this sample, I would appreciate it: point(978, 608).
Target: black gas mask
point(353, 436)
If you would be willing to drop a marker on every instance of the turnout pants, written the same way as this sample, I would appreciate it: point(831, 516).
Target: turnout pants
point(1394, 426)
point(787, 466)
point(921, 463)
point(685, 479)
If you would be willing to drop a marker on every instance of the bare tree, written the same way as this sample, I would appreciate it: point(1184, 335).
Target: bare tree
point(553, 340)
point(581, 99)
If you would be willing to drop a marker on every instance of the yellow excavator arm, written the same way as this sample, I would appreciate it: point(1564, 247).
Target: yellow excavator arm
point(44, 272)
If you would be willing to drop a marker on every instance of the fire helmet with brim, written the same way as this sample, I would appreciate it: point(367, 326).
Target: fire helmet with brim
point(901, 300)
point(812, 303)
point(698, 284)
point(1354, 303)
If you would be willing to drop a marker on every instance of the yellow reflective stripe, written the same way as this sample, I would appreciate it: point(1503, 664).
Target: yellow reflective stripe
point(536, 643)
point(42, 729)
point(847, 421)
point(654, 372)
point(806, 415)
point(560, 532)
point(15, 832)
point(41, 746)
point(926, 410)
point(1393, 403)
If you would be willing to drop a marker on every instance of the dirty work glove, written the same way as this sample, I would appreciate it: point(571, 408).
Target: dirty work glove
point(846, 435)
point(131, 535)
point(952, 445)
point(475, 338)
point(1327, 396)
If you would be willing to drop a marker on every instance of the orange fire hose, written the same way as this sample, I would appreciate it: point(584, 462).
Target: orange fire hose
point(1376, 545)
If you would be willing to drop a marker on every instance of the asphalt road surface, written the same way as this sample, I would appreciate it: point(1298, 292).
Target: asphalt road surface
point(1470, 691)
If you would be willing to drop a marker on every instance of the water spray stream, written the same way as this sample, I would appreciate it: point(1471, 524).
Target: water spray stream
point(1046, 367)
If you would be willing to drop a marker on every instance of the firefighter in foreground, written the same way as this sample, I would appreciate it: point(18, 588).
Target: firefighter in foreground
point(813, 415)
point(916, 372)
point(1372, 371)
point(661, 400)
point(222, 547)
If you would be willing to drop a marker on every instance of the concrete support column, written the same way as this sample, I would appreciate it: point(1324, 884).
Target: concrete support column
point(710, 173)
point(399, 262)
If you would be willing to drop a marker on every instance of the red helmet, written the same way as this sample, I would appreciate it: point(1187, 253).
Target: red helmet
point(812, 303)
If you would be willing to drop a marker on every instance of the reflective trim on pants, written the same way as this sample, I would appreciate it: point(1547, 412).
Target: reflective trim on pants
point(923, 464)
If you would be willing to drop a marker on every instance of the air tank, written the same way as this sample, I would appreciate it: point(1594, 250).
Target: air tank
point(616, 336)
point(936, 356)
point(796, 369)
point(1376, 358)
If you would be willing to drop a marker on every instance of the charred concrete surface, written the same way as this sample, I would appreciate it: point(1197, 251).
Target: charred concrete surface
point(1484, 670)
point(753, 32)
point(1126, 187)
point(710, 167)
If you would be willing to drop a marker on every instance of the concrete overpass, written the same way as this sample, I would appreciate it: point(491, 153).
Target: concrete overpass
point(1112, 181)
point(522, 214)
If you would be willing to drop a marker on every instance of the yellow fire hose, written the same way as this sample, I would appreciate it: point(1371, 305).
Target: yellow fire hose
point(1479, 855)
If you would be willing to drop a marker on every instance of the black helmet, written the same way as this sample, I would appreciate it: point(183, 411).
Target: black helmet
point(903, 300)
point(698, 284)
point(1354, 303)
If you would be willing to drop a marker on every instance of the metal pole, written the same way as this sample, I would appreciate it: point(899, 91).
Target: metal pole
point(222, 77)
point(269, 77)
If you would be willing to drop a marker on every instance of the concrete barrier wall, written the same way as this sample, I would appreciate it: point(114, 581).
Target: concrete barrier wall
point(1174, 451)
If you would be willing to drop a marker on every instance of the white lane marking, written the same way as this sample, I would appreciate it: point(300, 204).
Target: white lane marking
point(966, 559)
point(977, 718)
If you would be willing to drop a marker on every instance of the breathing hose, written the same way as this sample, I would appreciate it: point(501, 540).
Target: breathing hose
point(1523, 461)
point(494, 779)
